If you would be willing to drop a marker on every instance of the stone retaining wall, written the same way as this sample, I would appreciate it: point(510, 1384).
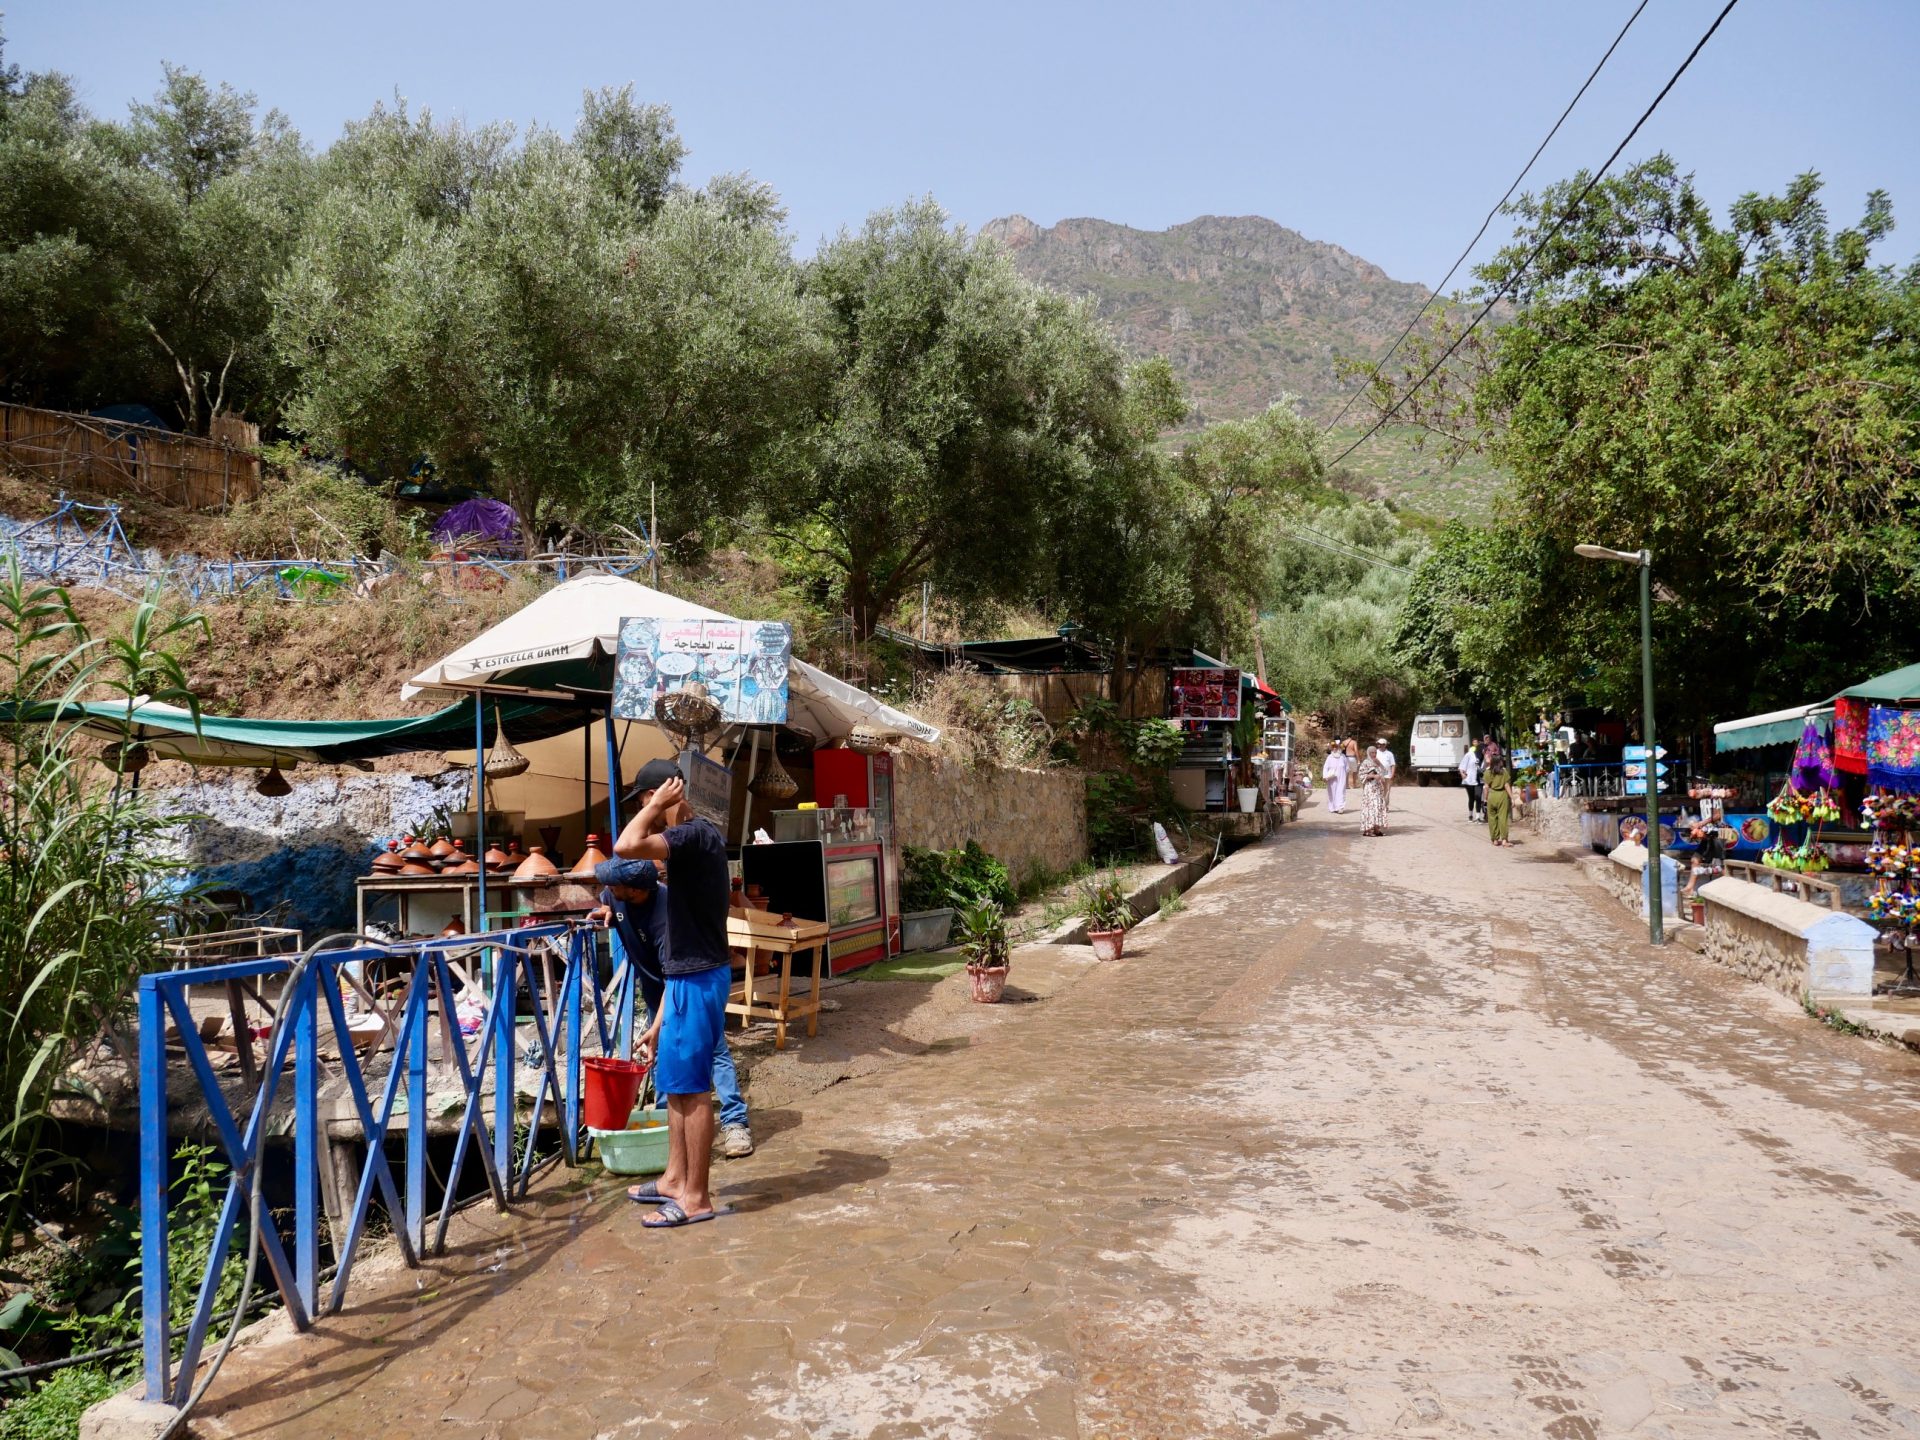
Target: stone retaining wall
point(1555, 820)
point(1757, 950)
point(1028, 819)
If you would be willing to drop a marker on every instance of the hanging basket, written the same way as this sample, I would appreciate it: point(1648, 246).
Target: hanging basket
point(774, 783)
point(503, 761)
point(688, 714)
point(867, 739)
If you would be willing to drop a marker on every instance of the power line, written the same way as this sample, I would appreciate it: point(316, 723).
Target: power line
point(1439, 289)
point(1534, 254)
point(1337, 547)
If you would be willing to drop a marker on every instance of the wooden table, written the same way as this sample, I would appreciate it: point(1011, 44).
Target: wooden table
point(759, 932)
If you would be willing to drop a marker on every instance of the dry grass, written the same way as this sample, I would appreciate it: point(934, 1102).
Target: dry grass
point(979, 723)
point(278, 660)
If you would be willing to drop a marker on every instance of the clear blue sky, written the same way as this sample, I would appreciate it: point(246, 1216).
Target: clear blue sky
point(1385, 126)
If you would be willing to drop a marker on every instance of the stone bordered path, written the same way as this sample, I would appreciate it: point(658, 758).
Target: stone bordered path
point(1401, 1136)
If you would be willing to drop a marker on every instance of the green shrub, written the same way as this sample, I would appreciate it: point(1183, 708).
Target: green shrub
point(956, 879)
point(1117, 824)
point(53, 1411)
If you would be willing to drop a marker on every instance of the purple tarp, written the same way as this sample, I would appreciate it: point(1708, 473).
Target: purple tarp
point(480, 524)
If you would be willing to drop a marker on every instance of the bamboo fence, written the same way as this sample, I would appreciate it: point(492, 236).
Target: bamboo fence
point(113, 458)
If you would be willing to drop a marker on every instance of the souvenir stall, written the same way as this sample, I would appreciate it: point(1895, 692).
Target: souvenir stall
point(728, 699)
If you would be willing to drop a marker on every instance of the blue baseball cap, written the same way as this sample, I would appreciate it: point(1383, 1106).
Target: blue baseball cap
point(631, 874)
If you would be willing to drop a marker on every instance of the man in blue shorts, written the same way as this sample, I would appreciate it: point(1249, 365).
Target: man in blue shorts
point(691, 1018)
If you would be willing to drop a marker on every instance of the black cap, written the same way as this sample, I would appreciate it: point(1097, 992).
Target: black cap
point(652, 776)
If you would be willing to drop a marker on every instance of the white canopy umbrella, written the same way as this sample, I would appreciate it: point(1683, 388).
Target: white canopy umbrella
point(581, 619)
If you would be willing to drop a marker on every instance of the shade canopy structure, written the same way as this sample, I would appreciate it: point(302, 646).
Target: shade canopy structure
point(1776, 727)
point(1896, 687)
point(170, 732)
point(564, 644)
point(1783, 727)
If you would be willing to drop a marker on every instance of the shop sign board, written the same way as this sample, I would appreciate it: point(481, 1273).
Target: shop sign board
point(709, 787)
point(1205, 695)
point(743, 664)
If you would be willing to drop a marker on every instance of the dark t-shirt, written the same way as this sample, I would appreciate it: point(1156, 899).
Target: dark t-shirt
point(697, 898)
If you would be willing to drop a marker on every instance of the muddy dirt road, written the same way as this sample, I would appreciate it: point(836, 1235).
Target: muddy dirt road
point(1396, 1136)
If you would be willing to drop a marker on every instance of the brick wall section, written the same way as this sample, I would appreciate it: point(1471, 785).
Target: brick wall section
point(1027, 819)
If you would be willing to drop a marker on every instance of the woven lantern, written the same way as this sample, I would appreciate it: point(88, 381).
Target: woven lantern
point(867, 739)
point(503, 762)
point(688, 714)
point(774, 783)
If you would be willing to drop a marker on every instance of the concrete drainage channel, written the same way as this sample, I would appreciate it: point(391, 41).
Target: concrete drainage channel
point(1158, 882)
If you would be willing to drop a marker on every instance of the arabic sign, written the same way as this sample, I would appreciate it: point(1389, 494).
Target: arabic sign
point(1205, 695)
point(743, 664)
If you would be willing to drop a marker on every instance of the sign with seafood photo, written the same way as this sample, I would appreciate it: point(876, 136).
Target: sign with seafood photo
point(742, 663)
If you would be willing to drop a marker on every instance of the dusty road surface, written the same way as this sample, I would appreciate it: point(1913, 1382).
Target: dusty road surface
point(1405, 1136)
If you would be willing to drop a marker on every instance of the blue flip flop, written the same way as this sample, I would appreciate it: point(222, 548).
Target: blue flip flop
point(671, 1217)
point(649, 1194)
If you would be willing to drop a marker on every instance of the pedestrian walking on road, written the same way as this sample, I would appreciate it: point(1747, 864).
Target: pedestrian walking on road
point(1470, 781)
point(1334, 772)
point(1383, 753)
point(1499, 800)
point(1373, 795)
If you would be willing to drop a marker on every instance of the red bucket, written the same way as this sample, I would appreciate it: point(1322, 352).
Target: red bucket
point(612, 1087)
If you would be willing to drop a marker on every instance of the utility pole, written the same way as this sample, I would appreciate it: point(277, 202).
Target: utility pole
point(653, 531)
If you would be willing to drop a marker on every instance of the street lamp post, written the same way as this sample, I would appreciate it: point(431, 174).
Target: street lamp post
point(1643, 559)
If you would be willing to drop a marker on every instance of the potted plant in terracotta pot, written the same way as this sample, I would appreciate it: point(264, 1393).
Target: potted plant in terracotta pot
point(983, 940)
point(1103, 900)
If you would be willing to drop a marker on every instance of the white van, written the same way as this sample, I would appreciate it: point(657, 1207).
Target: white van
point(1438, 743)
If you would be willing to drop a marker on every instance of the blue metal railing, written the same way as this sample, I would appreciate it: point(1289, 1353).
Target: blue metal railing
point(310, 1004)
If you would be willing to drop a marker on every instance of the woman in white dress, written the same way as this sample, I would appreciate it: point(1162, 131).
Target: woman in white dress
point(1334, 772)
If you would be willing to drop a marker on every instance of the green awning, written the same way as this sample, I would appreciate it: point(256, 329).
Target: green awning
point(1895, 685)
point(1776, 727)
point(169, 732)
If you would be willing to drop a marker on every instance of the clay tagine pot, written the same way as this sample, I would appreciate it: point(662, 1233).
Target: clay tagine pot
point(453, 927)
point(413, 850)
point(461, 863)
point(416, 867)
point(442, 848)
point(388, 860)
point(536, 866)
point(590, 857)
point(496, 858)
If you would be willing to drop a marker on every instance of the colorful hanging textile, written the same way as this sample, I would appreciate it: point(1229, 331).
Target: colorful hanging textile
point(1893, 748)
point(1850, 735)
point(1813, 762)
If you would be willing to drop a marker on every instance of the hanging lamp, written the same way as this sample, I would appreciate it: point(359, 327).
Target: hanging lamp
point(503, 761)
point(273, 783)
point(774, 783)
